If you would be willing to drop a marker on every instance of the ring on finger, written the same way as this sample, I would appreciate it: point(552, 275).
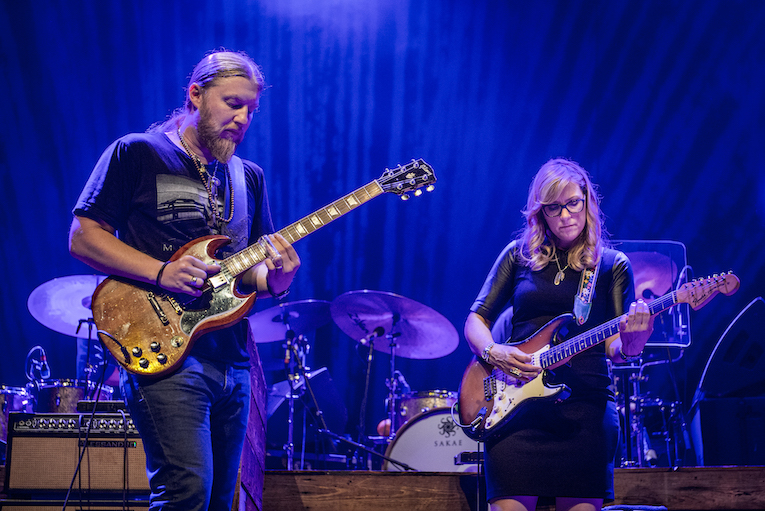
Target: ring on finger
point(515, 371)
point(193, 280)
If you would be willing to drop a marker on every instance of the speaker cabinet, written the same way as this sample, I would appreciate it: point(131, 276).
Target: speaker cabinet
point(44, 449)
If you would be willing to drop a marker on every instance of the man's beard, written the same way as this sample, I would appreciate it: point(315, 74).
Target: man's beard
point(222, 149)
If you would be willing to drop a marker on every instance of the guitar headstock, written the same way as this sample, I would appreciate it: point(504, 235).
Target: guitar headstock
point(408, 178)
point(698, 293)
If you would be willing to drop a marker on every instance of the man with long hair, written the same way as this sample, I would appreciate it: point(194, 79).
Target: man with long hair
point(149, 195)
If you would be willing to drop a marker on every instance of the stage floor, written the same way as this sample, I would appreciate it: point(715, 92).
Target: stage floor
point(696, 489)
point(684, 489)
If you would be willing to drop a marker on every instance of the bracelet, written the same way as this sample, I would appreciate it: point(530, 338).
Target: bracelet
point(486, 350)
point(628, 358)
point(159, 273)
point(278, 296)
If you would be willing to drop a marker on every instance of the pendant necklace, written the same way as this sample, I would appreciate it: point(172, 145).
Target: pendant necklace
point(561, 272)
point(211, 184)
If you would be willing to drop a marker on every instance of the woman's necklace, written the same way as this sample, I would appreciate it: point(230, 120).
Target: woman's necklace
point(211, 184)
point(561, 272)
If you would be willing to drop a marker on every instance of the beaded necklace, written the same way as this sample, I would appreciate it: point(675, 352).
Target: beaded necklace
point(211, 183)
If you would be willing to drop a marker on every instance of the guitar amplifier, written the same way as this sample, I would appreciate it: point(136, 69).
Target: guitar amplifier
point(44, 449)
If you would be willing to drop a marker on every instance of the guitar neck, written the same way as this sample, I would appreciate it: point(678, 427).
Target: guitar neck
point(595, 336)
point(242, 261)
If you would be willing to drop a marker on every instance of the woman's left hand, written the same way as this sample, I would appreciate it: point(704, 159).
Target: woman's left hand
point(635, 328)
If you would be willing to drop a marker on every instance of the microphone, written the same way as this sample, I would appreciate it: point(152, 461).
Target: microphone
point(44, 369)
point(377, 332)
point(290, 336)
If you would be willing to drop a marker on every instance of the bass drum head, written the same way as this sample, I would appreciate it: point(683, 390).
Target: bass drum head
point(429, 443)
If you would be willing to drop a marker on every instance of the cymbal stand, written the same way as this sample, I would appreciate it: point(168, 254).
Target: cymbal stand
point(392, 398)
point(89, 368)
point(302, 371)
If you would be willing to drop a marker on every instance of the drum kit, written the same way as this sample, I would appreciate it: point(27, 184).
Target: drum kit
point(418, 433)
point(653, 429)
point(63, 305)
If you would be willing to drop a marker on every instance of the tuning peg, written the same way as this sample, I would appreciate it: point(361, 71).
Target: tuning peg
point(430, 188)
point(404, 197)
point(417, 192)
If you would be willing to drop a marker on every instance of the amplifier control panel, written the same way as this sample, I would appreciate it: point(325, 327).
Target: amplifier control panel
point(76, 423)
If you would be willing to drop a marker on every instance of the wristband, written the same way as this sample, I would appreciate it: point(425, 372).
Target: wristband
point(628, 358)
point(159, 273)
point(486, 350)
point(278, 296)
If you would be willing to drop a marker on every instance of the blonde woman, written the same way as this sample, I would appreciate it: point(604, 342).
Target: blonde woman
point(559, 450)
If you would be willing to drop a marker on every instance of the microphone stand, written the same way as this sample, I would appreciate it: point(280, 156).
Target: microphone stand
point(362, 413)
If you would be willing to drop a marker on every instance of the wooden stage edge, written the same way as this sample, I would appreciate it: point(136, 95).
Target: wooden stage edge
point(686, 489)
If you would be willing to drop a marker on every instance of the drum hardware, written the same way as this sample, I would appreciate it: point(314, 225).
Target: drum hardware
point(652, 430)
point(286, 322)
point(413, 330)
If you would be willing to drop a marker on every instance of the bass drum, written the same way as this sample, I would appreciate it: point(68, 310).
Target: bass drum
point(12, 399)
point(62, 396)
point(429, 443)
point(413, 404)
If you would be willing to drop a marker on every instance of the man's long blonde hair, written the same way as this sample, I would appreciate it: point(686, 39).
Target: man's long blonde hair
point(537, 245)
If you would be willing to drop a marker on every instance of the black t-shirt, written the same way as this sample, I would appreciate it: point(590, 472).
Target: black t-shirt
point(150, 191)
point(536, 300)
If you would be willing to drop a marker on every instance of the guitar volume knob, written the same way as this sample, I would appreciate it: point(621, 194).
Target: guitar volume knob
point(162, 358)
point(143, 363)
point(137, 351)
point(154, 346)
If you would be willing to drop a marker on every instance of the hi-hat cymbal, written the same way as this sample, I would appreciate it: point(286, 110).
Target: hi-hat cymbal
point(418, 331)
point(654, 274)
point(63, 304)
point(300, 317)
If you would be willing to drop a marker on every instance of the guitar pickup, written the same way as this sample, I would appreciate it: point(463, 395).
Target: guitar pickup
point(217, 280)
point(489, 387)
point(157, 309)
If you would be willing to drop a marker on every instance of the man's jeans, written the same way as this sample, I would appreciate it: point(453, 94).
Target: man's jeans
point(193, 425)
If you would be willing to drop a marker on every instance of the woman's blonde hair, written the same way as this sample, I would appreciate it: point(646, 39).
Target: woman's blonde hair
point(537, 245)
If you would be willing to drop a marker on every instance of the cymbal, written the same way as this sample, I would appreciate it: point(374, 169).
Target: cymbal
point(301, 317)
point(654, 274)
point(63, 303)
point(420, 332)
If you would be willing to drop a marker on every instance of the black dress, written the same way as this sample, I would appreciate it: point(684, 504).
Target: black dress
point(561, 449)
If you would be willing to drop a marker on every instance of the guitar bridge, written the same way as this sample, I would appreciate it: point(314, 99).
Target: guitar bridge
point(157, 309)
point(174, 304)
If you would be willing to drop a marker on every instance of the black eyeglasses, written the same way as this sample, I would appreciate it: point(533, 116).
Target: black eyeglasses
point(572, 206)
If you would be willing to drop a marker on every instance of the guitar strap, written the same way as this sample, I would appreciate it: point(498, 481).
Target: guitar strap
point(238, 229)
point(583, 299)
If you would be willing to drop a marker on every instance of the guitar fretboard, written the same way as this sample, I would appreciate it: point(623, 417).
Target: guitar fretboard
point(598, 334)
point(256, 253)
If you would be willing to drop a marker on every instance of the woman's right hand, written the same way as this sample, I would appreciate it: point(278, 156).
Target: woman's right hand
point(513, 362)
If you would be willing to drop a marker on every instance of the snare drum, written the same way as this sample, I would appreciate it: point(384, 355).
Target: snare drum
point(429, 443)
point(12, 399)
point(62, 396)
point(413, 404)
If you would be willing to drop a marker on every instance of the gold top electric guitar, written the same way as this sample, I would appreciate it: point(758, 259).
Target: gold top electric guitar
point(150, 331)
